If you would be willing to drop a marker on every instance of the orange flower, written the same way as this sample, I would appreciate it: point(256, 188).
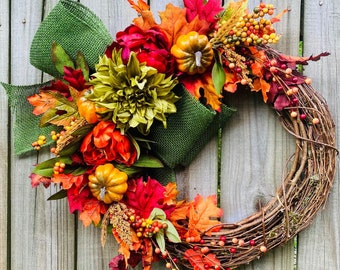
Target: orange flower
point(105, 144)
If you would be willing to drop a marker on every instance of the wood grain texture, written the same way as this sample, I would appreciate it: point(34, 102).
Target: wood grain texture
point(4, 76)
point(319, 244)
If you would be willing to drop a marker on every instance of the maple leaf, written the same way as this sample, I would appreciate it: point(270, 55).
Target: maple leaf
point(194, 84)
point(201, 261)
point(231, 82)
point(179, 217)
point(67, 180)
point(77, 197)
point(205, 10)
point(203, 214)
point(173, 22)
point(261, 84)
point(42, 102)
point(146, 20)
point(36, 180)
point(170, 193)
point(91, 212)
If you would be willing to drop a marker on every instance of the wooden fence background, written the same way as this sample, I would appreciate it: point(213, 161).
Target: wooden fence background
point(39, 234)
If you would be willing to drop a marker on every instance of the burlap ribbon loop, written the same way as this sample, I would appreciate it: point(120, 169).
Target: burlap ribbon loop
point(187, 132)
point(75, 28)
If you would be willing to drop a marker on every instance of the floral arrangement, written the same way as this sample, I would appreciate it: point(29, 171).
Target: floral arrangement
point(113, 123)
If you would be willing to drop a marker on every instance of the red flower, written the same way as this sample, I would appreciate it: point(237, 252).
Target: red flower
point(151, 47)
point(143, 197)
point(105, 144)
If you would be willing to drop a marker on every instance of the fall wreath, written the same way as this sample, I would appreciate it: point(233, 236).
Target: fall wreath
point(122, 123)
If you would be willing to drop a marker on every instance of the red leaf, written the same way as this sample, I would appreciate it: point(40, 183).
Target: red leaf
point(77, 198)
point(143, 197)
point(205, 11)
point(36, 180)
point(200, 261)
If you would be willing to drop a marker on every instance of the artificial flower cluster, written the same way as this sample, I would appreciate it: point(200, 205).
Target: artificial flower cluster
point(103, 117)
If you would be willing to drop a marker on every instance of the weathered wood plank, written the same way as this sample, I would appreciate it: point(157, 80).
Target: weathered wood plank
point(39, 238)
point(4, 63)
point(255, 148)
point(319, 245)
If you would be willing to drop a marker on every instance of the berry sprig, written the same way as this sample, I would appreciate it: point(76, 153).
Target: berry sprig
point(253, 29)
point(39, 143)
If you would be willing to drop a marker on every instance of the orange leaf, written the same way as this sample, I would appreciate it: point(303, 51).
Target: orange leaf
point(91, 212)
point(170, 193)
point(203, 214)
point(204, 81)
point(278, 16)
point(173, 20)
point(140, 6)
point(145, 21)
point(261, 84)
point(147, 255)
point(42, 102)
point(231, 81)
point(200, 261)
point(67, 180)
point(179, 217)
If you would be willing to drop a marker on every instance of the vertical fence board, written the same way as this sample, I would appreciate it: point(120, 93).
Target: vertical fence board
point(42, 235)
point(319, 245)
point(4, 53)
point(255, 148)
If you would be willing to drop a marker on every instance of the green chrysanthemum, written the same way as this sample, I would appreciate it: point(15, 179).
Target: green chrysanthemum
point(133, 94)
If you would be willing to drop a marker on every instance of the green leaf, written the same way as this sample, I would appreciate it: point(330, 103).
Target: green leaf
point(171, 232)
point(160, 240)
point(59, 195)
point(147, 161)
point(45, 168)
point(60, 58)
point(82, 64)
point(130, 171)
point(218, 74)
point(157, 214)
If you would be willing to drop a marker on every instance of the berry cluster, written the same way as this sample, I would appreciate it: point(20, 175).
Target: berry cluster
point(59, 167)
point(144, 227)
point(39, 143)
point(253, 28)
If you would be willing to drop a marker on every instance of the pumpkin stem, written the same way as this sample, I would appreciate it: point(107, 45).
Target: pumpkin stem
point(198, 57)
point(102, 193)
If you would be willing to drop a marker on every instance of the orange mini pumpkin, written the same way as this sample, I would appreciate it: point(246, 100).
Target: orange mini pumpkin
point(193, 53)
point(87, 108)
point(108, 184)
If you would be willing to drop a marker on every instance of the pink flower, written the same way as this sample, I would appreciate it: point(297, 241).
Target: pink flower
point(151, 47)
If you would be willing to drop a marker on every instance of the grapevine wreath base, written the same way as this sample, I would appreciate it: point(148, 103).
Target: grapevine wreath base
point(304, 190)
point(123, 124)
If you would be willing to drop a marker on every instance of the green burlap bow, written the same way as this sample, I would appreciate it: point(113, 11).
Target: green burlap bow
point(76, 28)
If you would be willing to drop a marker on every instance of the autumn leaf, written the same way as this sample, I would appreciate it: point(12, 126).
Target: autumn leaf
point(67, 180)
point(139, 6)
point(172, 22)
point(204, 81)
point(203, 214)
point(261, 84)
point(231, 82)
point(42, 102)
point(201, 261)
point(61, 113)
point(170, 193)
point(77, 197)
point(91, 212)
point(146, 20)
point(179, 217)
point(36, 180)
point(204, 10)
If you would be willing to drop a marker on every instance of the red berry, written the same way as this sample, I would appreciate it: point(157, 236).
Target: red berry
point(232, 250)
point(252, 242)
